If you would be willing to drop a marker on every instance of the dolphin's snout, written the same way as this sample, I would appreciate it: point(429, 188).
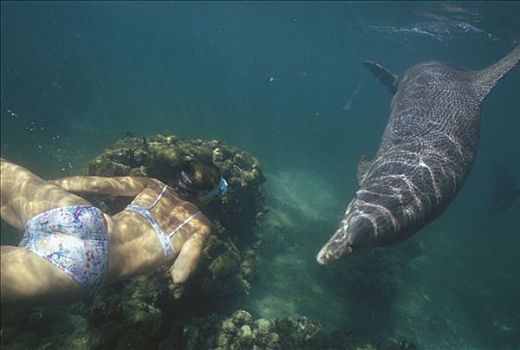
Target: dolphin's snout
point(337, 247)
point(347, 239)
point(327, 255)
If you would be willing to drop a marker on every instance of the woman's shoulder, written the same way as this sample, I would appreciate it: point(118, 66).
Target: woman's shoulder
point(173, 200)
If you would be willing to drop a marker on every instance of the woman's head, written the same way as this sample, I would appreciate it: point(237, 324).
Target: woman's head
point(201, 180)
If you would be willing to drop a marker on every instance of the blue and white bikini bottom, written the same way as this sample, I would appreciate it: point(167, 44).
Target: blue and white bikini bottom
point(72, 238)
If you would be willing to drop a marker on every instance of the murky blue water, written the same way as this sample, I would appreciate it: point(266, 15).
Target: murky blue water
point(285, 81)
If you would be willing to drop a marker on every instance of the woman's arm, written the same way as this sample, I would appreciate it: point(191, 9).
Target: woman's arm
point(190, 252)
point(126, 186)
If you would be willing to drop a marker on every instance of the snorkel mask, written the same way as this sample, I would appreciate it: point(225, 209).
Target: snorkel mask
point(219, 190)
point(186, 184)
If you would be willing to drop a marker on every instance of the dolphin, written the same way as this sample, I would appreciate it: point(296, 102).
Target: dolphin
point(426, 152)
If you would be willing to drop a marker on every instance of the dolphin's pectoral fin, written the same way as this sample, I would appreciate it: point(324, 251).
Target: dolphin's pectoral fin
point(362, 169)
point(382, 74)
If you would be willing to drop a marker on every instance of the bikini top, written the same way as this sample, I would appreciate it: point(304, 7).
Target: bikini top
point(164, 238)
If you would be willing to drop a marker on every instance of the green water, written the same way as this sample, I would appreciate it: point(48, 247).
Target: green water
point(285, 81)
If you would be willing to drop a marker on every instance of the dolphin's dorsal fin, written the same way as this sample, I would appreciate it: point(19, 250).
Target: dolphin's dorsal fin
point(486, 79)
point(362, 166)
point(382, 74)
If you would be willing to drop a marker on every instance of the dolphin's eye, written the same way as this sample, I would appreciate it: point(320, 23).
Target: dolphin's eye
point(362, 231)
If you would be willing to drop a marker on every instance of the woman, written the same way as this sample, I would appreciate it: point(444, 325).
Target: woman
point(70, 248)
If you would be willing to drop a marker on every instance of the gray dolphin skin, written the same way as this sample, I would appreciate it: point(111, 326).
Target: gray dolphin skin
point(426, 152)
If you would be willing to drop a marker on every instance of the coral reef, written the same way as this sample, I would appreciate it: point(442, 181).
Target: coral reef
point(159, 156)
point(241, 331)
point(226, 270)
point(227, 267)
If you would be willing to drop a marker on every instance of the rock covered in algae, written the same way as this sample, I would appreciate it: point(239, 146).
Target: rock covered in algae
point(228, 262)
point(159, 156)
point(239, 331)
point(151, 303)
point(297, 331)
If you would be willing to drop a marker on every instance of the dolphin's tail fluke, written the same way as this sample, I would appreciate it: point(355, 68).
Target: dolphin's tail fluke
point(486, 79)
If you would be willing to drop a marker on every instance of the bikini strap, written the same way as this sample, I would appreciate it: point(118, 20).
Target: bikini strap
point(167, 246)
point(182, 224)
point(158, 198)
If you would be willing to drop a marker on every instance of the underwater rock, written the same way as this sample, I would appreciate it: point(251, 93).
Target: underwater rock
point(240, 332)
point(113, 168)
point(226, 263)
point(241, 317)
point(234, 216)
point(227, 267)
point(159, 156)
point(296, 331)
point(246, 335)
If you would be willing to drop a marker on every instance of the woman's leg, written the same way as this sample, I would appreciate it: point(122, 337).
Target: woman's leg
point(28, 279)
point(25, 195)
